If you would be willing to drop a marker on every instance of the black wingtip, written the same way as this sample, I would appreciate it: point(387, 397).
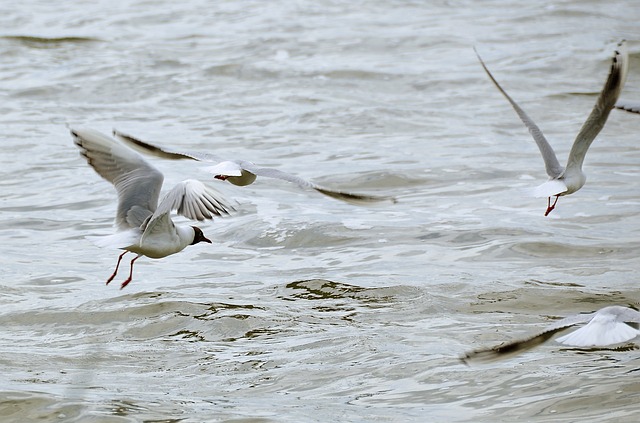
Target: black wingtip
point(151, 149)
point(359, 199)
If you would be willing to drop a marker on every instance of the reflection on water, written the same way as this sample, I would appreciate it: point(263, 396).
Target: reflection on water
point(319, 289)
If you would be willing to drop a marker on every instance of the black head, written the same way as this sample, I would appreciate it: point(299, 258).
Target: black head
point(198, 236)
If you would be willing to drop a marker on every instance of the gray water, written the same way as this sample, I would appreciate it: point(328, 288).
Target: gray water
point(306, 308)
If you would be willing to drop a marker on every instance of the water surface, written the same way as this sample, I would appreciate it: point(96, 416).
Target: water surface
point(305, 308)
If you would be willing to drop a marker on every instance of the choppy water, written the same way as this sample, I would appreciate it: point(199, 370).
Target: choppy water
point(305, 308)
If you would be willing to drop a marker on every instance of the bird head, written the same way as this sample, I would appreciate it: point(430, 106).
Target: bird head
point(198, 236)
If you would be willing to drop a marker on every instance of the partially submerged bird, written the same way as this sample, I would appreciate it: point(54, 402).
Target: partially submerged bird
point(567, 180)
point(242, 172)
point(144, 226)
point(607, 326)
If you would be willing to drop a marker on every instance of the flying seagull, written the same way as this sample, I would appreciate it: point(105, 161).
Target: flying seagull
point(607, 326)
point(144, 226)
point(242, 172)
point(569, 179)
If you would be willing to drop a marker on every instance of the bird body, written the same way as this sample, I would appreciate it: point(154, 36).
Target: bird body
point(233, 171)
point(149, 242)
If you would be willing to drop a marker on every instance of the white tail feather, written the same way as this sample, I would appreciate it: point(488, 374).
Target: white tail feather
point(550, 188)
point(119, 240)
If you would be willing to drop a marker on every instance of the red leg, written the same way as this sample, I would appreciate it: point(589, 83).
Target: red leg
point(551, 206)
point(115, 272)
point(126, 282)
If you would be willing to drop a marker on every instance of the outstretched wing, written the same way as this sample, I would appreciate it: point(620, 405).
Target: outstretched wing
point(553, 167)
point(234, 168)
point(516, 347)
point(606, 100)
point(303, 183)
point(154, 150)
point(193, 200)
point(137, 182)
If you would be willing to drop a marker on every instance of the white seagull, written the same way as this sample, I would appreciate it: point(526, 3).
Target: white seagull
point(607, 326)
point(242, 172)
point(144, 226)
point(565, 181)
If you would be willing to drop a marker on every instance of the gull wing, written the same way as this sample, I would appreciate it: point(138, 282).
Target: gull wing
point(516, 347)
point(606, 100)
point(230, 168)
point(154, 150)
point(553, 167)
point(137, 182)
point(303, 183)
point(193, 200)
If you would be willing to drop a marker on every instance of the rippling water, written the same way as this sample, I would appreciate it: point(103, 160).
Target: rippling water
point(305, 308)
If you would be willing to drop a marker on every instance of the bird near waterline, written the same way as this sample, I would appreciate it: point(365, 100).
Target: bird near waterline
point(242, 172)
point(144, 226)
point(567, 180)
point(607, 326)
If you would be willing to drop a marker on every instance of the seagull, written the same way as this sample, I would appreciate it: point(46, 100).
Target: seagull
point(144, 226)
point(607, 326)
point(242, 172)
point(567, 180)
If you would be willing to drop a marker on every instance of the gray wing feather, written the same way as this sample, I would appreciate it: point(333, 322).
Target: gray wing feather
point(605, 103)
point(516, 347)
point(137, 182)
point(553, 167)
point(153, 150)
point(275, 173)
point(256, 170)
point(626, 314)
point(193, 200)
point(303, 183)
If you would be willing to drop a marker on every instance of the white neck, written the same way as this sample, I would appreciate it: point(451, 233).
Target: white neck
point(186, 235)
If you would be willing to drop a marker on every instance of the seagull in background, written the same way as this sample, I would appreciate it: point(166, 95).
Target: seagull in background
point(144, 226)
point(607, 326)
point(567, 180)
point(242, 172)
